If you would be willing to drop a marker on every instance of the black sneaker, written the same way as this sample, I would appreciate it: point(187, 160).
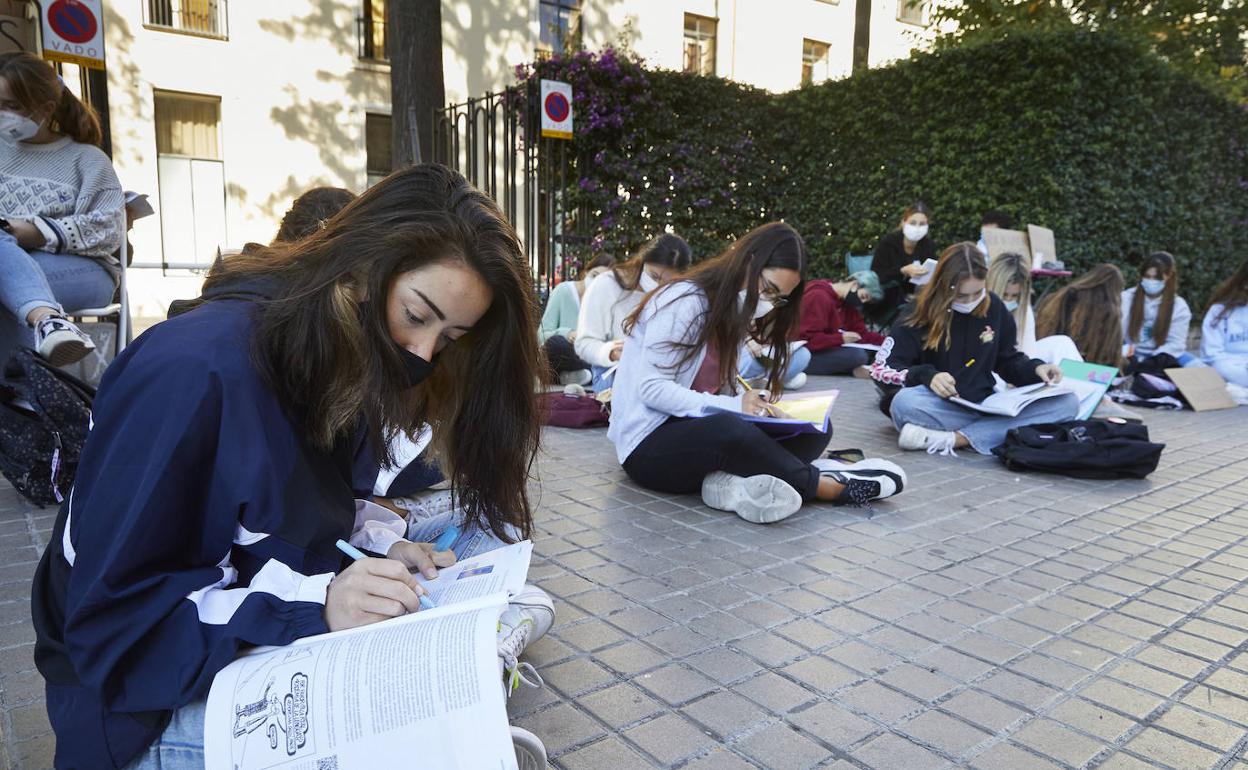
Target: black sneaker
point(59, 342)
point(864, 481)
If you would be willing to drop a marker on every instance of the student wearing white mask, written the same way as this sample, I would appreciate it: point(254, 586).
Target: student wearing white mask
point(1009, 277)
point(676, 414)
point(949, 343)
point(614, 295)
point(899, 256)
point(60, 212)
point(1154, 318)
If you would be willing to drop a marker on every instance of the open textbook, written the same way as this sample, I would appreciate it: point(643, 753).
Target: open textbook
point(1011, 402)
point(808, 413)
point(423, 685)
point(921, 280)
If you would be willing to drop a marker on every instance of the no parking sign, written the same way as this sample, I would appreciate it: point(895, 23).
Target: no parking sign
point(556, 109)
point(73, 32)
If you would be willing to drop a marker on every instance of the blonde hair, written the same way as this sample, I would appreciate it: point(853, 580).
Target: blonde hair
point(1009, 269)
point(934, 304)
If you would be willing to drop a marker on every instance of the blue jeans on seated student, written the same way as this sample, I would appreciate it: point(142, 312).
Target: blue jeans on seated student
point(180, 746)
point(472, 540)
point(601, 381)
point(750, 367)
point(30, 280)
point(920, 406)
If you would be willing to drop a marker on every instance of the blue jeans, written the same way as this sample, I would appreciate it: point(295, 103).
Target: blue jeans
point(920, 406)
point(34, 279)
point(180, 746)
point(472, 539)
point(749, 366)
point(601, 380)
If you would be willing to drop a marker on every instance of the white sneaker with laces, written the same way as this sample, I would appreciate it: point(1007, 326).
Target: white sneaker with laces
point(941, 442)
point(59, 342)
point(866, 480)
point(758, 499)
point(528, 616)
point(797, 382)
point(530, 751)
point(580, 377)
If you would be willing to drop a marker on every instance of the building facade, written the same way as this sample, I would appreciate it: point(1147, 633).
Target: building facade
point(223, 112)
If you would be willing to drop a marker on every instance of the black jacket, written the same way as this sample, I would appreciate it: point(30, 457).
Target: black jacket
point(978, 346)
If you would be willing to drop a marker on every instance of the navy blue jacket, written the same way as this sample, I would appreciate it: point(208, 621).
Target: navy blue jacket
point(200, 523)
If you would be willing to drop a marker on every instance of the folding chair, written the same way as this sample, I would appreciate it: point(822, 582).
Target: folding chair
point(117, 313)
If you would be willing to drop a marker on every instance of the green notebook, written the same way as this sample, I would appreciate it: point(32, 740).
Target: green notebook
point(1083, 373)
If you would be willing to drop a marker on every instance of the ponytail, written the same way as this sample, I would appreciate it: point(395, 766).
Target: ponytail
point(76, 120)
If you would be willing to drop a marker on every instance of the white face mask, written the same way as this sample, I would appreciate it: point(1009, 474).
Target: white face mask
point(1011, 305)
point(647, 282)
point(915, 233)
point(16, 128)
point(966, 307)
point(1153, 286)
point(761, 309)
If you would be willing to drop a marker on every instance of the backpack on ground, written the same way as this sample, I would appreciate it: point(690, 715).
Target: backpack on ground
point(565, 410)
point(1084, 449)
point(44, 418)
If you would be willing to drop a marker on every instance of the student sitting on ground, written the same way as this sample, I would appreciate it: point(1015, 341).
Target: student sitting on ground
point(204, 521)
point(607, 302)
point(1224, 334)
point(754, 359)
point(676, 418)
point(899, 256)
point(1154, 318)
point(1009, 277)
point(1088, 311)
point(559, 325)
point(61, 212)
point(991, 219)
point(831, 317)
point(948, 344)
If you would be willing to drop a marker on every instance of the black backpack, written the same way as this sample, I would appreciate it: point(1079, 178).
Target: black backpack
point(44, 418)
point(1084, 449)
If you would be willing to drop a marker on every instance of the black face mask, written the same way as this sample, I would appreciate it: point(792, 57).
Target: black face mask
point(853, 300)
point(418, 369)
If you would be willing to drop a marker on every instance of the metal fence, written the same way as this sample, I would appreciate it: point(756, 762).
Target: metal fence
point(495, 141)
point(209, 18)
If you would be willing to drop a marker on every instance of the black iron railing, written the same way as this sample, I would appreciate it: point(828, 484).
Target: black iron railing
point(208, 18)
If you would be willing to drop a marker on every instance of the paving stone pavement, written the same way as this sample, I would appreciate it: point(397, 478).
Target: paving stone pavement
point(983, 619)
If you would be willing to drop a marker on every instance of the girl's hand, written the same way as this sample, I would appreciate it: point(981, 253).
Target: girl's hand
point(421, 556)
point(754, 402)
point(617, 350)
point(368, 591)
point(755, 347)
point(1050, 373)
point(572, 336)
point(913, 271)
point(850, 336)
point(28, 236)
point(944, 385)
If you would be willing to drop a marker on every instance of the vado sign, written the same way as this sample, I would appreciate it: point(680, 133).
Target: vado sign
point(556, 109)
point(73, 32)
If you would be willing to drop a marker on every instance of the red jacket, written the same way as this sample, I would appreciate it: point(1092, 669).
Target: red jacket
point(825, 315)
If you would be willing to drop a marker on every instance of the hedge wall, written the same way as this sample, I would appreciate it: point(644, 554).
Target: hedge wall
point(1084, 133)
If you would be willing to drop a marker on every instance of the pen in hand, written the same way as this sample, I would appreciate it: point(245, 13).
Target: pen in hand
point(770, 412)
point(356, 554)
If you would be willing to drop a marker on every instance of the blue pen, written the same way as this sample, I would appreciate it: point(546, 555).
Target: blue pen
point(356, 554)
point(447, 538)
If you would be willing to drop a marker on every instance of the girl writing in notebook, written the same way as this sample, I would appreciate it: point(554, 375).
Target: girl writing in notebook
point(947, 345)
point(218, 478)
point(676, 417)
point(831, 319)
point(617, 293)
point(1155, 319)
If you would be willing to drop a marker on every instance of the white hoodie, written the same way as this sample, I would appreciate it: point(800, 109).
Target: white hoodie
point(1180, 321)
point(601, 320)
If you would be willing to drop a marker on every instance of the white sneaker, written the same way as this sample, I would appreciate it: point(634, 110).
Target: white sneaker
point(797, 383)
point(580, 377)
point(865, 481)
point(913, 437)
point(527, 617)
point(758, 499)
point(61, 343)
point(530, 751)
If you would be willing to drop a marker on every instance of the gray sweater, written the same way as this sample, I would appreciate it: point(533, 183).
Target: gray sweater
point(70, 192)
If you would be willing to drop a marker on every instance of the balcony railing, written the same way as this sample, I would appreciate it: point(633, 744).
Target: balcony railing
point(371, 36)
point(207, 18)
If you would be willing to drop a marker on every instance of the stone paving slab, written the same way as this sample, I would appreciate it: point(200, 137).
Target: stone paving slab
point(983, 619)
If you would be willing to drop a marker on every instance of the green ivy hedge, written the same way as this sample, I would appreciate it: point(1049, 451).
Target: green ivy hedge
point(1083, 133)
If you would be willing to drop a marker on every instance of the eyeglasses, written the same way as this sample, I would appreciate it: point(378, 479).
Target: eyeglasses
point(771, 293)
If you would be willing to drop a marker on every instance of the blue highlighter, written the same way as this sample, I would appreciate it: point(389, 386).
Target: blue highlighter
point(447, 538)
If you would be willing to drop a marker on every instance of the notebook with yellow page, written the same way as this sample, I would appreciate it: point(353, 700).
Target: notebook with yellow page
point(806, 413)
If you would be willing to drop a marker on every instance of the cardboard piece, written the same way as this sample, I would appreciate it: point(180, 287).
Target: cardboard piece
point(1001, 241)
point(1043, 246)
point(1203, 388)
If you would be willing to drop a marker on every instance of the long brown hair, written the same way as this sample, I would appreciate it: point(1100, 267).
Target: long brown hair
point(1089, 311)
point(311, 211)
point(35, 85)
point(726, 323)
point(1165, 264)
point(934, 305)
point(331, 360)
point(666, 249)
point(1008, 269)
point(1232, 293)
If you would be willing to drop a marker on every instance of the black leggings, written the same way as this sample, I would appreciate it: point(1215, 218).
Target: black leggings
point(837, 360)
point(678, 454)
point(562, 356)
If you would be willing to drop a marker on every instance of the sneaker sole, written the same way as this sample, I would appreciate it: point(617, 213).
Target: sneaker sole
point(906, 439)
point(885, 467)
point(757, 499)
point(66, 353)
point(530, 752)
